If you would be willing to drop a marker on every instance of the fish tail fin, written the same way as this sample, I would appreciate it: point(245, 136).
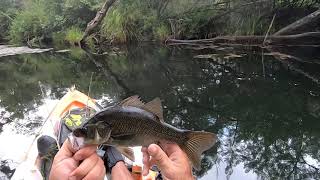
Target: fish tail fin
point(197, 143)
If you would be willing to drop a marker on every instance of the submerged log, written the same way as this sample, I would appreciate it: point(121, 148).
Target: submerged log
point(310, 38)
point(97, 20)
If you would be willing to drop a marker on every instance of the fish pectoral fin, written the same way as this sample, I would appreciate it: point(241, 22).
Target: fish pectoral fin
point(132, 101)
point(126, 151)
point(155, 107)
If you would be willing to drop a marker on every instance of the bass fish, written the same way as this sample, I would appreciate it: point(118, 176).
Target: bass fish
point(135, 123)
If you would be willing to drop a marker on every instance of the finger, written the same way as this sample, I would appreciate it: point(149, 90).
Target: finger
point(64, 168)
point(66, 151)
point(171, 148)
point(159, 157)
point(144, 149)
point(146, 164)
point(85, 167)
point(85, 153)
point(98, 172)
point(149, 177)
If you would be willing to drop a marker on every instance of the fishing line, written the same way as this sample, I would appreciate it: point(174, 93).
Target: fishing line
point(49, 114)
point(89, 90)
point(42, 126)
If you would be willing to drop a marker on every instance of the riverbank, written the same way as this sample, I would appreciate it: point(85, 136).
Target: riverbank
point(122, 22)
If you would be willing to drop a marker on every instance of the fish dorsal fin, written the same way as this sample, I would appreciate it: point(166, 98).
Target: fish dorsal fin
point(155, 107)
point(132, 101)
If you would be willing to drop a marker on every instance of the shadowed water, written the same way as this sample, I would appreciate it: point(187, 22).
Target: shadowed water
point(266, 113)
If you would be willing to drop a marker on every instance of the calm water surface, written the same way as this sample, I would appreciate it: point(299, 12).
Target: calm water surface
point(266, 113)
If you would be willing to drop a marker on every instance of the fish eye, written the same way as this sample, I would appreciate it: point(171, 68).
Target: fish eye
point(91, 131)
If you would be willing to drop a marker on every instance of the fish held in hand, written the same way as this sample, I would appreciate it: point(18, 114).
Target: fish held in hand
point(134, 123)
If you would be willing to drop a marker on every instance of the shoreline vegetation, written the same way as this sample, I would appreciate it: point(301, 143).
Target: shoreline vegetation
point(93, 23)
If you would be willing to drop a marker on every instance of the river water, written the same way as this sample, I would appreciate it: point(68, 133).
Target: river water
point(266, 112)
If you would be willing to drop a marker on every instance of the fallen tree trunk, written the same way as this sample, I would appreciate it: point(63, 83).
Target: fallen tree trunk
point(292, 28)
point(97, 20)
point(310, 38)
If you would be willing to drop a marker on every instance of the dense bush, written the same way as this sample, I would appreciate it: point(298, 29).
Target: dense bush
point(134, 20)
point(30, 23)
point(8, 9)
point(113, 26)
point(41, 19)
point(79, 12)
point(161, 32)
point(73, 35)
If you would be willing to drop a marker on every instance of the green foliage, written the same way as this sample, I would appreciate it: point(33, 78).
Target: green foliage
point(74, 35)
point(134, 21)
point(36, 21)
point(7, 14)
point(145, 20)
point(58, 39)
point(247, 23)
point(162, 32)
point(112, 26)
point(43, 19)
point(30, 23)
point(79, 12)
point(77, 53)
point(157, 20)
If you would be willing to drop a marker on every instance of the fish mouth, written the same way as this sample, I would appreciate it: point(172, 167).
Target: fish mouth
point(76, 142)
point(80, 132)
point(90, 135)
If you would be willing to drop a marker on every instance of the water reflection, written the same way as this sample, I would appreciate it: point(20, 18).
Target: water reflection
point(266, 116)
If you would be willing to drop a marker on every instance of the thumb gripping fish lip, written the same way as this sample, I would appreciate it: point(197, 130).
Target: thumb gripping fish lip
point(76, 142)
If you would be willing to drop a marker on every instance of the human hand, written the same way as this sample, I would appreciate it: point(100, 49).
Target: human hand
point(171, 160)
point(66, 164)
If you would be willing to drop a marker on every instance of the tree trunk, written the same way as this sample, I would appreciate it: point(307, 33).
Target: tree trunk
point(97, 20)
point(310, 38)
point(292, 28)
